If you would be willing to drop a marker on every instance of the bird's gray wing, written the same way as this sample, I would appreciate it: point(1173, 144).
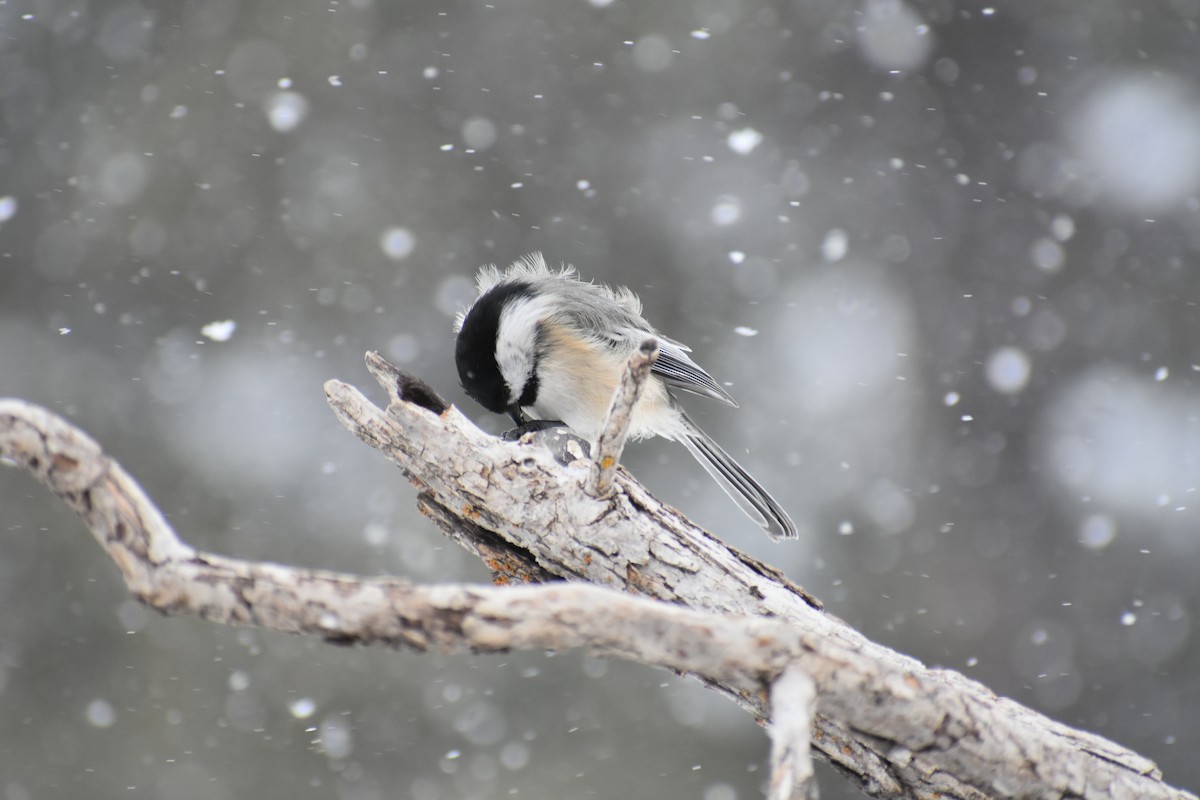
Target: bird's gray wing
point(680, 372)
point(673, 365)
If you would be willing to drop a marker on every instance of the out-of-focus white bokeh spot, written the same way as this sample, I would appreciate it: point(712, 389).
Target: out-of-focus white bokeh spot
point(726, 211)
point(242, 418)
point(376, 533)
point(101, 714)
point(892, 36)
point(397, 243)
point(1139, 136)
point(404, 348)
point(122, 178)
point(1097, 531)
point(839, 340)
point(652, 53)
point(1047, 254)
point(302, 707)
point(744, 140)
point(286, 110)
point(888, 506)
point(336, 741)
point(478, 133)
point(1062, 227)
point(454, 293)
point(1047, 328)
point(133, 616)
point(481, 723)
point(8, 207)
point(1008, 369)
point(1122, 440)
point(835, 245)
point(219, 330)
point(514, 756)
point(720, 791)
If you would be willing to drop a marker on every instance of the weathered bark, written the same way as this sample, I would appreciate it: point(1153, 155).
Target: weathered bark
point(896, 727)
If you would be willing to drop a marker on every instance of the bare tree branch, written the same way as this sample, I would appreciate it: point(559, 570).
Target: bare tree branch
point(896, 727)
point(793, 707)
point(620, 412)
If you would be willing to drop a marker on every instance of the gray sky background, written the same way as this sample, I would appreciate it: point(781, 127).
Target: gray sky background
point(944, 255)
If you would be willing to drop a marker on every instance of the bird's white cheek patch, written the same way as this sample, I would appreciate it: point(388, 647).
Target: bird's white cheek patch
point(517, 342)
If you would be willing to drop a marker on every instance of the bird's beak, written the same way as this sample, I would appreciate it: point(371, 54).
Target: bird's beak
point(517, 414)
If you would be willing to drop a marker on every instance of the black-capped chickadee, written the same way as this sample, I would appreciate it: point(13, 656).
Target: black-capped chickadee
point(540, 344)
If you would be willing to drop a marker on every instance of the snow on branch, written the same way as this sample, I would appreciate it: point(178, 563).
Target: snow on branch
point(894, 726)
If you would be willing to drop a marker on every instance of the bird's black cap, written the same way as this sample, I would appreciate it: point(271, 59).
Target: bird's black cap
point(475, 350)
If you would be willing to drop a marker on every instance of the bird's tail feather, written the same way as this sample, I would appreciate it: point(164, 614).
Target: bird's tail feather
point(752, 498)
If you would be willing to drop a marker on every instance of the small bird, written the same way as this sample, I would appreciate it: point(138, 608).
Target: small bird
point(541, 344)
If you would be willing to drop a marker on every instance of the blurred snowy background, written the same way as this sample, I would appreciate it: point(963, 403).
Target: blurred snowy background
point(944, 254)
